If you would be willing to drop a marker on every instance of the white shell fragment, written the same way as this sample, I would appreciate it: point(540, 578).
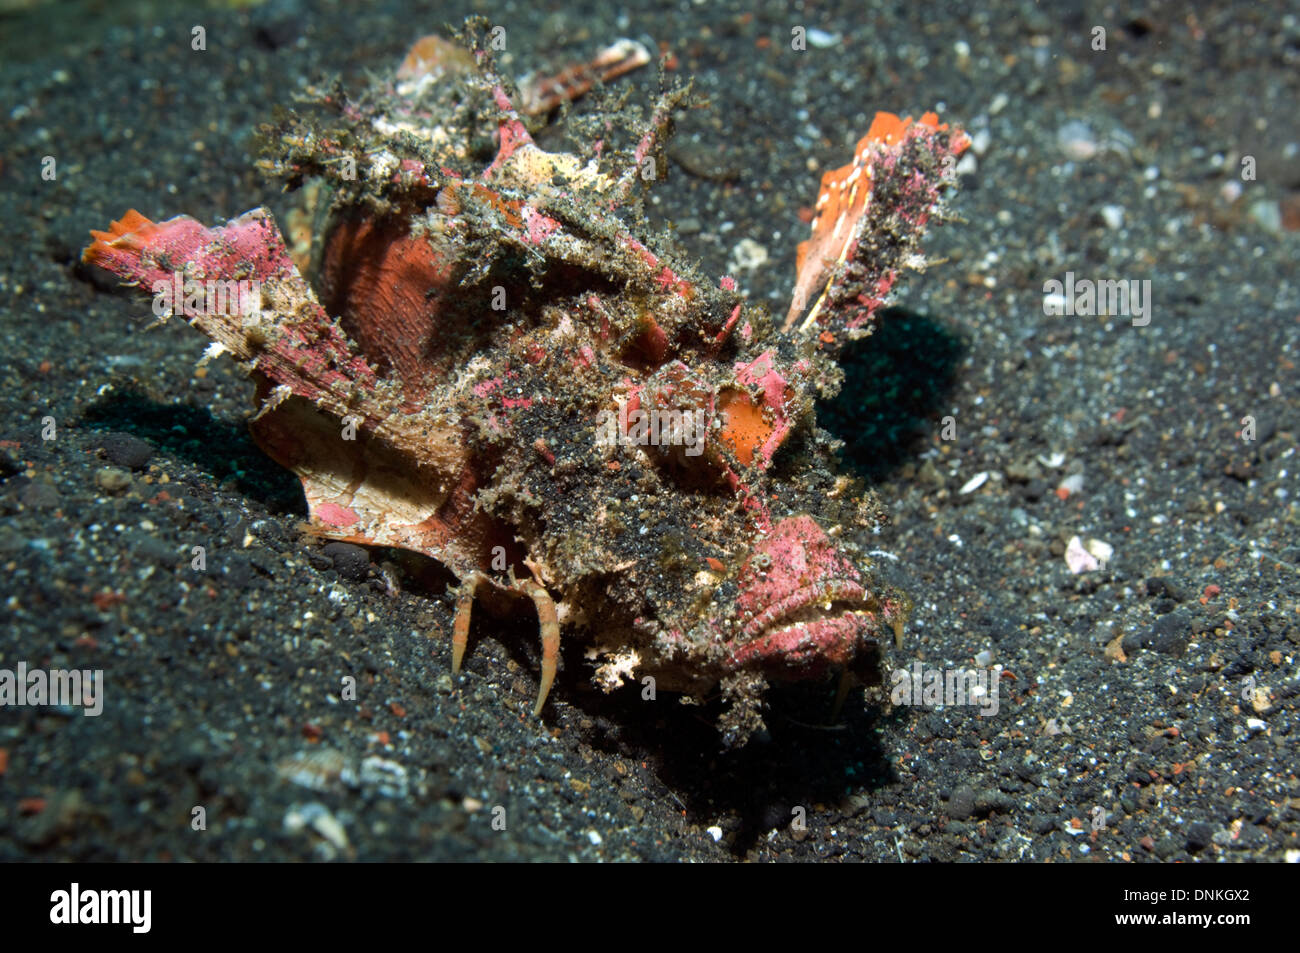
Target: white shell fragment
point(1089, 557)
point(1103, 551)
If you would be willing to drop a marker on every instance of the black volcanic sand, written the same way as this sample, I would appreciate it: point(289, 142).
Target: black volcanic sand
point(1156, 694)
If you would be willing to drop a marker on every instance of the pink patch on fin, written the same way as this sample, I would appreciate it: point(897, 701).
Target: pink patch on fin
point(334, 515)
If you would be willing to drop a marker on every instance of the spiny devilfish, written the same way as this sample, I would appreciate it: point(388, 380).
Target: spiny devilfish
point(476, 318)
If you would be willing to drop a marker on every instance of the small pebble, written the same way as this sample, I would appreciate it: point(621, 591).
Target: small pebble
point(962, 804)
point(112, 479)
point(1199, 836)
point(748, 255)
point(39, 495)
point(351, 562)
point(1268, 215)
point(1071, 484)
point(822, 39)
point(126, 450)
point(319, 818)
point(1077, 141)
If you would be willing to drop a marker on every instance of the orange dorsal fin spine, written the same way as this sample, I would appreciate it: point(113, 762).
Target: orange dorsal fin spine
point(885, 127)
point(842, 203)
point(126, 232)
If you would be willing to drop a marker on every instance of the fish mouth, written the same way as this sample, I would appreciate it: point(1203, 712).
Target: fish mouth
point(811, 630)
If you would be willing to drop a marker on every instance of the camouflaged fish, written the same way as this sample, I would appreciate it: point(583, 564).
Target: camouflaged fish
point(471, 350)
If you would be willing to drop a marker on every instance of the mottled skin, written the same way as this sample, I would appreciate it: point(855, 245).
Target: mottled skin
point(489, 317)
